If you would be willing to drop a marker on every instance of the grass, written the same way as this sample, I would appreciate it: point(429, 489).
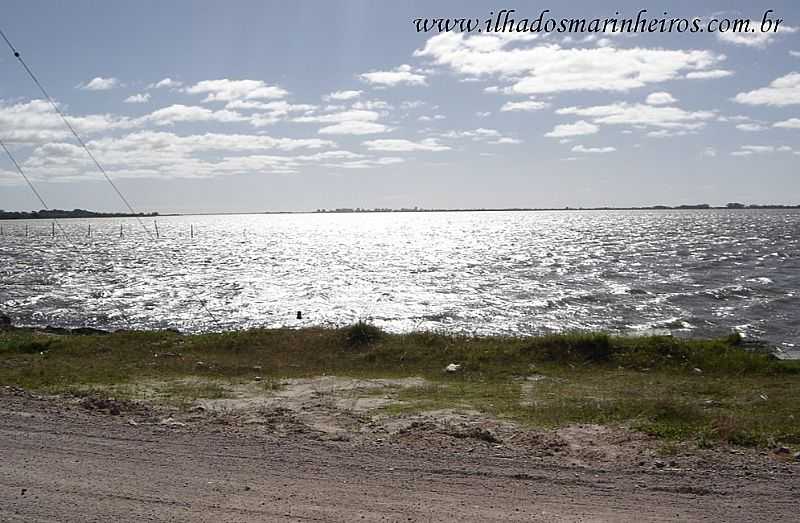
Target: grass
point(710, 391)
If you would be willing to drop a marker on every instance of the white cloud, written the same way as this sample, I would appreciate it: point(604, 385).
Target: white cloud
point(782, 91)
point(342, 95)
point(281, 107)
point(623, 113)
point(400, 75)
point(669, 133)
point(791, 123)
point(754, 39)
point(550, 68)
point(398, 145)
point(355, 127)
point(796, 54)
point(344, 116)
point(506, 141)
point(225, 90)
point(191, 113)
point(35, 121)
point(272, 112)
point(578, 128)
point(527, 105)
point(483, 114)
point(139, 98)
point(371, 105)
point(593, 150)
point(427, 118)
point(155, 154)
point(481, 134)
point(367, 163)
point(750, 127)
point(710, 152)
point(475, 134)
point(748, 150)
point(660, 98)
point(100, 84)
point(165, 155)
point(356, 122)
point(166, 83)
point(412, 104)
point(709, 75)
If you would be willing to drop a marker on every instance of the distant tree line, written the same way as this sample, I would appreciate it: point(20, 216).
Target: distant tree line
point(649, 208)
point(58, 213)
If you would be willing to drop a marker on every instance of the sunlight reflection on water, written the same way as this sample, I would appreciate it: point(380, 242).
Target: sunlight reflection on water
point(686, 272)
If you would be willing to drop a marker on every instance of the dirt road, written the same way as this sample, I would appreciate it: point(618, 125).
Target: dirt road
point(62, 462)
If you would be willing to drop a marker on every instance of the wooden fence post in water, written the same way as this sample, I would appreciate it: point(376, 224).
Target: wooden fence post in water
point(155, 223)
point(89, 233)
point(191, 231)
point(53, 232)
point(26, 230)
point(120, 230)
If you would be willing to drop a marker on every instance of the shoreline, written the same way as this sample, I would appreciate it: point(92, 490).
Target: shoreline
point(706, 391)
point(288, 424)
point(157, 215)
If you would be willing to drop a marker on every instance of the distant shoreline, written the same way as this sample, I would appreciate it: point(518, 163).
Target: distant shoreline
point(54, 214)
point(57, 214)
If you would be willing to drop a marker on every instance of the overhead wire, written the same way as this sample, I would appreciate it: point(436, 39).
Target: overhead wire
point(41, 199)
point(94, 160)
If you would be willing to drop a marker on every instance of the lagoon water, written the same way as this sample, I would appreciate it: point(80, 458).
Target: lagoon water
point(690, 273)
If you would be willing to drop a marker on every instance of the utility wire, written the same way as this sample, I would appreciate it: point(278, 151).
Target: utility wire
point(44, 204)
point(100, 168)
point(80, 141)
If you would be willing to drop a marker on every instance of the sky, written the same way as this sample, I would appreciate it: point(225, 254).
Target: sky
point(249, 106)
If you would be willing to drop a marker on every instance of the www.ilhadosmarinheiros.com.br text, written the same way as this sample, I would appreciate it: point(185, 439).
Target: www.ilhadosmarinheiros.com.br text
point(510, 21)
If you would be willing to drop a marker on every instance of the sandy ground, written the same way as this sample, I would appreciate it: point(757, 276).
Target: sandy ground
point(314, 450)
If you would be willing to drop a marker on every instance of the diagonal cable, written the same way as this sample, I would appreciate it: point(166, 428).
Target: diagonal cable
point(100, 168)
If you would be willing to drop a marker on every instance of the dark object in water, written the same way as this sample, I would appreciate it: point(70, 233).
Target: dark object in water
point(5, 321)
point(299, 315)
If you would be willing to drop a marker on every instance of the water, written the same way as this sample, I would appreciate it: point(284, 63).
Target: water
point(690, 273)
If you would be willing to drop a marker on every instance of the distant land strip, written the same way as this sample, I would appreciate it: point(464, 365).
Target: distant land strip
point(52, 214)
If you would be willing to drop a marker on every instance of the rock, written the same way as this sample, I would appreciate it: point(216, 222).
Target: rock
point(782, 451)
point(106, 405)
point(132, 422)
point(201, 365)
point(257, 378)
point(697, 371)
point(659, 464)
point(256, 367)
point(453, 367)
point(5, 321)
point(170, 422)
point(796, 456)
point(167, 355)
